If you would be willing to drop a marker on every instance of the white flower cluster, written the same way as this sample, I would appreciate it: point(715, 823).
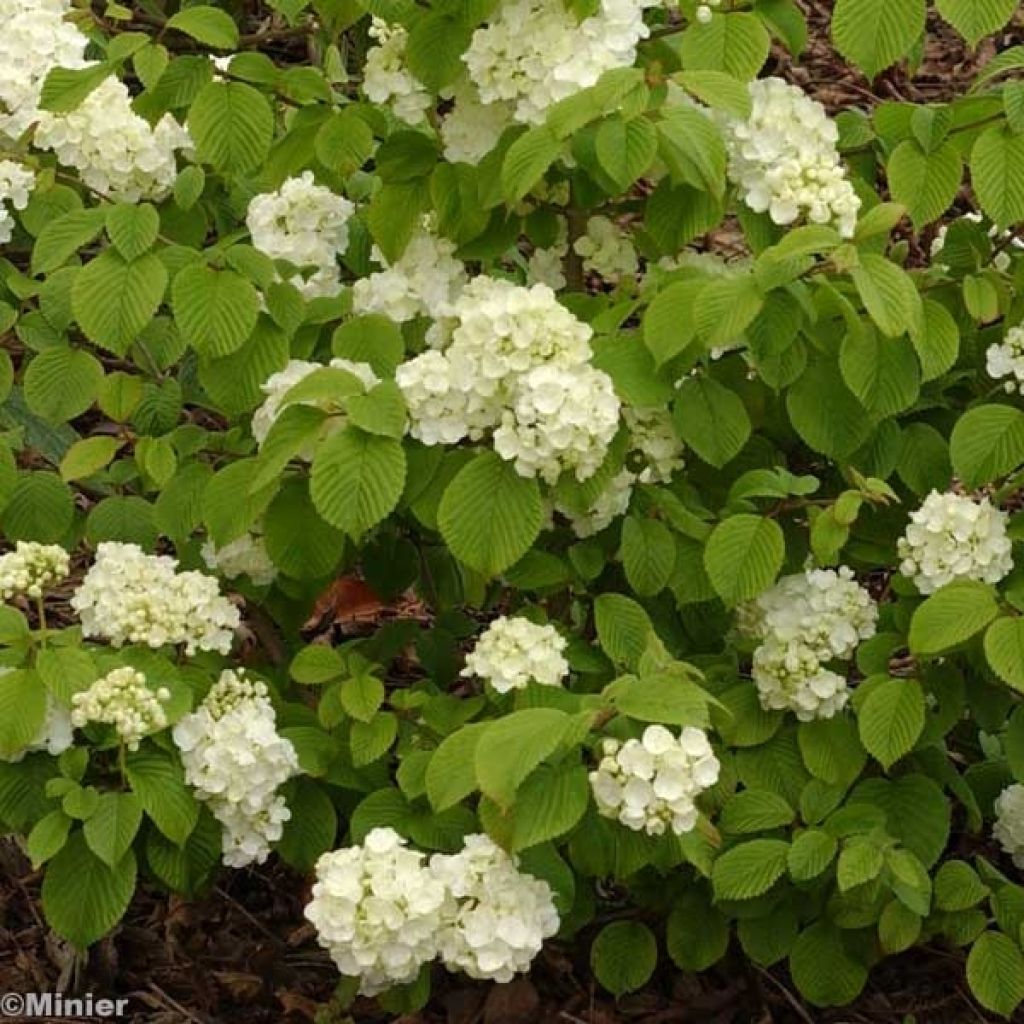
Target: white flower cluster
point(377, 908)
point(472, 129)
point(517, 363)
point(805, 622)
point(501, 915)
point(1000, 260)
point(36, 38)
point(383, 911)
point(277, 386)
point(607, 250)
point(1006, 359)
point(953, 537)
point(612, 502)
point(235, 759)
point(130, 597)
point(122, 699)
point(32, 567)
point(784, 160)
point(424, 281)
point(705, 12)
point(55, 735)
point(246, 556)
point(546, 266)
point(1009, 826)
point(650, 784)
point(386, 79)
point(305, 224)
point(115, 151)
point(653, 437)
point(534, 53)
point(16, 183)
point(512, 652)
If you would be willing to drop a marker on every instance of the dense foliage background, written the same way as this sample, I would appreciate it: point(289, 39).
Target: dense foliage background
point(565, 432)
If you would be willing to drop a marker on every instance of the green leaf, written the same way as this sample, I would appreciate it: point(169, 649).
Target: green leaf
point(526, 161)
point(693, 149)
point(743, 557)
point(831, 749)
point(938, 343)
point(711, 419)
point(490, 515)
point(66, 89)
point(22, 710)
point(860, 861)
point(891, 719)
point(975, 19)
point(749, 869)
point(510, 748)
point(623, 628)
point(951, 616)
point(822, 968)
point(874, 34)
point(316, 664)
point(648, 555)
point(737, 45)
point(727, 308)
point(215, 310)
point(916, 809)
point(114, 299)
point(88, 456)
point(380, 411)
point(47, 837)
point(435, 47)
point(362, 696)
point(889, 295)
point(156, 779)
point(669, 325)
point(995, 972)
point(825, 412)
point(625, 149)
point(549, 804)
point(660, 697)
point(357, 479)
point(112, 827)
point(372, 740)
point(997, 171)
point(696, 948)
point(62, 237)
point(344, 143)
point(208, 25)
point(718, 91)
point(41, 507)
point(312, 828)
point(451, 773)
point(298, 540)
point(812, 851)
point(987, 442)
point(925, 183)
point(899, 928)
point(132, 228)
point(61, 383)
point(754, 810)
point(83, 898)
point(232, 125)
point(623, 956)
point(958, 887)
point(1004, 649)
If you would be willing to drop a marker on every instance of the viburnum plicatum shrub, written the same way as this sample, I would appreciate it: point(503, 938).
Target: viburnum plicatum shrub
point(678, 420)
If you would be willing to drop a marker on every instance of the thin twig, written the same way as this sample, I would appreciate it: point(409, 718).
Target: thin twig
point(790, 998)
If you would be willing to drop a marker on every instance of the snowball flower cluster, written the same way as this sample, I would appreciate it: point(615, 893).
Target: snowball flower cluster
point(386, 79)
point(650, 784)
point(607, 250)
point(472, 129)
point(303, 223)
point(245, 556)
point(383, 911)
point(378, 908)
point(517, 363)
point(512, 652)
point(32, 567)
point(235, 759)
point(16, 183)
point(129, 597)
point(653, 437)
point(610, 504)
point(115, 151)
point(501, 915)
point(953, 537)
point(533, 53)
point(277, 386)
point(705, 12)
point(35, 39)
point(784, 160)
point(1009, 826)
point(805, 622)
point(122, 699)
point(424, 281)
point(1006, 359)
